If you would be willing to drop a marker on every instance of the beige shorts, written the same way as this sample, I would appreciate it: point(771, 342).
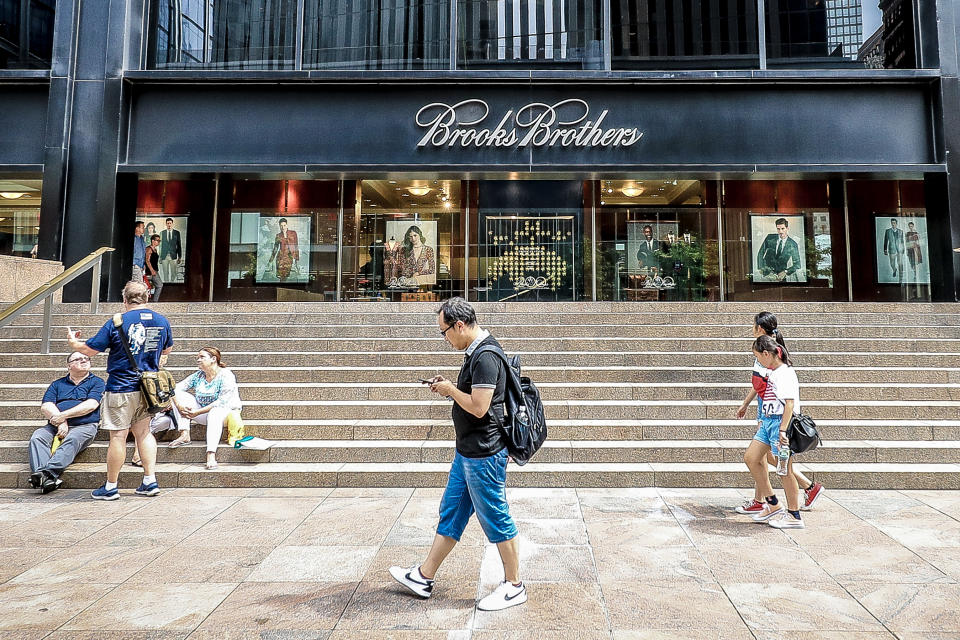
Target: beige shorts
point(120, 411)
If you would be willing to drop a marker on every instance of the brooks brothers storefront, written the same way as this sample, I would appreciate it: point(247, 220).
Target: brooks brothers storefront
point(537, 192)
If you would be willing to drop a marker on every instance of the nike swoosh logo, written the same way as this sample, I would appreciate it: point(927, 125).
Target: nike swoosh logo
point(516, 595)
point(412, 579)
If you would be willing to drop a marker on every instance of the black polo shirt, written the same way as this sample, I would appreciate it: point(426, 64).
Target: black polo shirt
point(480, 437)
point(67, 395)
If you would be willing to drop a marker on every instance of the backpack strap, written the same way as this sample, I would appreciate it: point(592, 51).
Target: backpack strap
point(118, 323)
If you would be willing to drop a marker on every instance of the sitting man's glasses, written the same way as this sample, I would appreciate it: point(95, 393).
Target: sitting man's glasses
point(80, 359)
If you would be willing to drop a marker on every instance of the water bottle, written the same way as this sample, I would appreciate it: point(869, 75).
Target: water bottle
point(783, 457)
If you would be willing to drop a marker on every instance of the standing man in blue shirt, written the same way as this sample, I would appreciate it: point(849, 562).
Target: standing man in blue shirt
point(71, 406)
point(124, 409)
point(139, 252)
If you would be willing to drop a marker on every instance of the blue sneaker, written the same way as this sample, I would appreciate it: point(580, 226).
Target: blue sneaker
point(104, 494)
point(151, 489)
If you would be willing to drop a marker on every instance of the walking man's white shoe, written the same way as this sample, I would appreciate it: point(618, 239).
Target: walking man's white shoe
point(503, 597)
point(412, 579)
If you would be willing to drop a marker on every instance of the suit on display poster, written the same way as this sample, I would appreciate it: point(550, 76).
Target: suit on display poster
point(778, 248)
point(902, 253)
point(410, 250)
point(173, 244)
point(283, 252)
point(646, 239)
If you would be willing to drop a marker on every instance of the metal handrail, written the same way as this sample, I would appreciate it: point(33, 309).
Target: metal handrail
point(46, 292)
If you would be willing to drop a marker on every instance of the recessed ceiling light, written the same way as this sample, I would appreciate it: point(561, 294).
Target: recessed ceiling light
point(419, 191)
point(12, 195)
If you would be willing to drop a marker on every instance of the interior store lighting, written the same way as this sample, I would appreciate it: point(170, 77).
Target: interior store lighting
point(419, 191)
point(632, 191)
point(12, 195)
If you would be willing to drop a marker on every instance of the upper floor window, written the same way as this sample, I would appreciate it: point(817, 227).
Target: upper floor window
point(26, 33)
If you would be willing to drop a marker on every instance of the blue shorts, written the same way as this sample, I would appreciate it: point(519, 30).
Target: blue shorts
point(477, 485)
point(768, 432)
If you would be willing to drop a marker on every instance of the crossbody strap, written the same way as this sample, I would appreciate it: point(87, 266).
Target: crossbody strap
point(118, 323)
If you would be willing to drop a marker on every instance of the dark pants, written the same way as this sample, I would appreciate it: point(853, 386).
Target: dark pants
point(78, 438)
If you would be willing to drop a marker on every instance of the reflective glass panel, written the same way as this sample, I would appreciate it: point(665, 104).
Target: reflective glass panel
point(376, 34)
point(19, 217)
point(538, 34)
point(26, 33)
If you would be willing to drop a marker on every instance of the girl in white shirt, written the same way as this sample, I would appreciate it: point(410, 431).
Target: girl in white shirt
point(780, 399)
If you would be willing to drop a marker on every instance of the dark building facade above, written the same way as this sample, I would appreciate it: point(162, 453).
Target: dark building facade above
point(514, 150)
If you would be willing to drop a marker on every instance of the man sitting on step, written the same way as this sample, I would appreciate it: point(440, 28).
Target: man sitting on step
point(71, 406)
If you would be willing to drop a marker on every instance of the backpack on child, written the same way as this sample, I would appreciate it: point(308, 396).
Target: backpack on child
point(524, 426)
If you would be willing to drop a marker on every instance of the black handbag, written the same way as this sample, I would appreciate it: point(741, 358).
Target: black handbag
point(802, 434)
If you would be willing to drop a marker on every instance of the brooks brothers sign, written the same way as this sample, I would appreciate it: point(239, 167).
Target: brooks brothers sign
point(565, 124)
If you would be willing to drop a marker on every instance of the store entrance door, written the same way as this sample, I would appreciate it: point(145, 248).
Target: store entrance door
point(529, 244)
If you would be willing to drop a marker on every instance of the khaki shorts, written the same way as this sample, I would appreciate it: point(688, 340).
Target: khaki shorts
point(120, 411)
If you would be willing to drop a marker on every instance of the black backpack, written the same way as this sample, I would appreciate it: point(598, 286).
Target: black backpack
point(524, 427)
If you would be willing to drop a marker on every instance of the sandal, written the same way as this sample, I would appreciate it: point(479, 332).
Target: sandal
point(137, 463)
point(211, 465)
point(179, 443)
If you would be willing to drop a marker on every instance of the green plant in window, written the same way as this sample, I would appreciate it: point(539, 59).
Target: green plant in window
point(819, 264)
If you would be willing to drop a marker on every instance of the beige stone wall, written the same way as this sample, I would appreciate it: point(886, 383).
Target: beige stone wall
point(20, 276)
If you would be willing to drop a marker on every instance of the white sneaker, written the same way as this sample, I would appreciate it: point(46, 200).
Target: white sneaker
point(412, 579)
point(769, 512)
point(503, 597)
point(786, 521)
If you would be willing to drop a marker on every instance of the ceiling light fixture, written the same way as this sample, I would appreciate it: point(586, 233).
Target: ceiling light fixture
point(12, 195)
point(419, 191)
point(632, 191)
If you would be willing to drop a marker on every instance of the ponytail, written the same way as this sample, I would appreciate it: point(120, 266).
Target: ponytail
point(766, 344)
point(768, 322)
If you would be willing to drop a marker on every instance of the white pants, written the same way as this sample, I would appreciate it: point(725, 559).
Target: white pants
point(213, 419)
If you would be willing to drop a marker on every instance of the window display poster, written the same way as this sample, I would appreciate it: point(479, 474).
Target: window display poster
point(902, 255)
point(410, 251)
point(778, 249)
point(283, 249)
point(173, 244)
point(645, 239)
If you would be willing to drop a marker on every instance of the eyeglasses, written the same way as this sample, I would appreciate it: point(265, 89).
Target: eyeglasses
point(444, 332)
point(80, 359)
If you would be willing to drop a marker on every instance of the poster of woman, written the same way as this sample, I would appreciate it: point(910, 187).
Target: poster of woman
point(414, 253)
point(901, 246)
point(283, 252)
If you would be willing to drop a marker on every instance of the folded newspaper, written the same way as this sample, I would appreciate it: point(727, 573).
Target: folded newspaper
point(253, 443)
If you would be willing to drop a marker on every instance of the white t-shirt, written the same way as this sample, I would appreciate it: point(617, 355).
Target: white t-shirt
point(782, 385)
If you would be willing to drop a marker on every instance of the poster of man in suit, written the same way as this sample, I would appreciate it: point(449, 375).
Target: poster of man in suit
point(173, 244)
point(283, 252)
point(902, 254)
point(777, 247)
point(646, 241)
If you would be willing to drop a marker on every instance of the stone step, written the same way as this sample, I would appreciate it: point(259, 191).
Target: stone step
point(735, 376)
point(706, 391)
point(577, 430)
point(553, 451)
point(433, 346)
point(427, 408)
point(450, 359)
point(352, 474)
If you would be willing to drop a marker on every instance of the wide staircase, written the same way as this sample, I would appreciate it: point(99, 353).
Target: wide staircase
point(638, 394)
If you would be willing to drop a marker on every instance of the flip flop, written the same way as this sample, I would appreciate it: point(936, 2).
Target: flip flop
point(137, 463)
point(178, 443)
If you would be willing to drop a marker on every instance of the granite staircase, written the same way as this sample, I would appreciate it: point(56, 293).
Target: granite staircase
point(636, 394)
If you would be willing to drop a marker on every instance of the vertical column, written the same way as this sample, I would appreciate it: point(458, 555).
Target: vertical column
point(943, 191)
point(85, 116)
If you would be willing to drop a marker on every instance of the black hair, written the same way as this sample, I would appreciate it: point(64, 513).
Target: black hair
point(457, 310)
point(168, 220)
point(282, 220)
point(155, 236)
point(768, 322)
point(766, 344)
point(782, 221)
point(407, 244)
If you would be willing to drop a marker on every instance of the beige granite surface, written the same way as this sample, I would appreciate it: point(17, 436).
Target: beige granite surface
point(616, 564)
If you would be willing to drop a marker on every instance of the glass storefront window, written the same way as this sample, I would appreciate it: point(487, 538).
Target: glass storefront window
point(368, 34)
point(283, 240)
point(661, 34)
point(522, 34)
point(404, 241)
point(223, 34)
point(26, 33)
point(656, 240)
point(19, 217)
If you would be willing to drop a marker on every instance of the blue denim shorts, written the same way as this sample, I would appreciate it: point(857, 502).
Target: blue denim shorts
point(477, 485)
point(768, 432)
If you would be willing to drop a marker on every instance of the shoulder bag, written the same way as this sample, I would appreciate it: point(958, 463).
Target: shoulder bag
point(803, 434)
point(157, 387)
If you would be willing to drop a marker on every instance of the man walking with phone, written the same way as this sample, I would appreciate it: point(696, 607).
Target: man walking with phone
point(124, 409)
point(477, 480)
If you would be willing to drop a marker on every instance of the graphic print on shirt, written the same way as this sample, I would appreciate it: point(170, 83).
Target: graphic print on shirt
point(136, 336)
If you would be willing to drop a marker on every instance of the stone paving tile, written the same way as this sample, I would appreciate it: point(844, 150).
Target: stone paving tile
point(388, 606)
point(417, 525)
point(125, 634)
point(462, 561)
point(683, 634)
point(826, 635)
point(873, 504)
point(210, 564)
point(281, 606)
point(669, 604)
point(890, 563)
point(788, 608)
point(541, 563)
point(300, 634)
point(399, 634)
point(362, 521)
point(314, 564)
point(27, 607)
point(179, 506)
point(164, 607)
point(920, 527)
point(913, 607)
point(547, 531)
point(544, 503)
point(550, 634)
point(89, 564)
point(16, 560)
point(783, 562)
point(45, 531)
point(636, 563)
point(550, 606)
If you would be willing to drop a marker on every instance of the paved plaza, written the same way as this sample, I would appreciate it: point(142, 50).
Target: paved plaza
point(297, 564)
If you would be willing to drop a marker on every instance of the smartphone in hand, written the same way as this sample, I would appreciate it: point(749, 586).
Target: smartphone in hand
point(422, 381)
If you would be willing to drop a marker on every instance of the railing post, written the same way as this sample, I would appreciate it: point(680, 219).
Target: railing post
point(95, 287)
point(47, 312)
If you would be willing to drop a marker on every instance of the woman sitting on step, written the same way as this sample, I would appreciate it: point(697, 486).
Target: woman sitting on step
point(207, 397)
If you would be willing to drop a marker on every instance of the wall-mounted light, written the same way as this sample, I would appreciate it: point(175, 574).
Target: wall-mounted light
point(632, 191)
point(12, 195)
point(419, 191)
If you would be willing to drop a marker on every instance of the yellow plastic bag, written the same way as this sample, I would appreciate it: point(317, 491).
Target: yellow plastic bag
point(57, 441)
point(234, 426)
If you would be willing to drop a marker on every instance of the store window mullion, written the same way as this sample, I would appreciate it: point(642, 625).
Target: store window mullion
point(608, 36)
point(762, 33)
point(298, 44)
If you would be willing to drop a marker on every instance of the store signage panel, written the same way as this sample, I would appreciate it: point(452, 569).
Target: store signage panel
point(566, 123)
